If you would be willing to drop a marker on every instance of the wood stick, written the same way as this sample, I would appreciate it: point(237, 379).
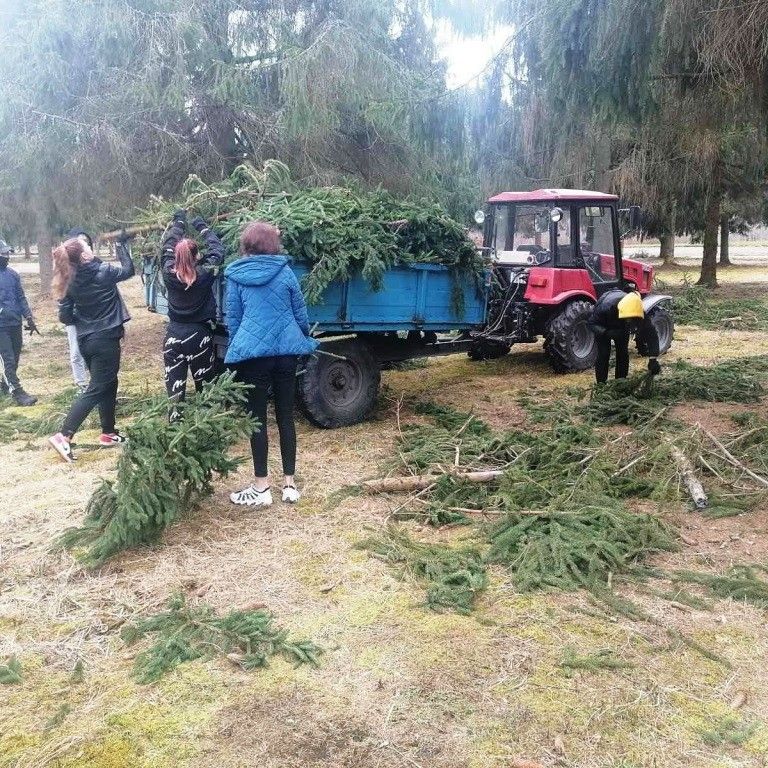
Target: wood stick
point(142, 229)
point(695, 488)
point(419, 482)
point(736, 463)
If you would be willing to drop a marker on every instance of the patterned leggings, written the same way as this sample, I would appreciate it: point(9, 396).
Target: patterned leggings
point(188, 348)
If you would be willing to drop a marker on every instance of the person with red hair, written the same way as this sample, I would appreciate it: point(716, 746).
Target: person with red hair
point(268, 333)
point(88, 299)
point(189, 275)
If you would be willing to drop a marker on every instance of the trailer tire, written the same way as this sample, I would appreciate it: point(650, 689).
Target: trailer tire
point(569, 342)
point(665, 327)
point(336, 393)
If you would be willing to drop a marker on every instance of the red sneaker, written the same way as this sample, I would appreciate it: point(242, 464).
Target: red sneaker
point(112, 438)
point(62, 446)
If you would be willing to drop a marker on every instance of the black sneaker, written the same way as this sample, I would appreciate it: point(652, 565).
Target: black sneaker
point(22, 398)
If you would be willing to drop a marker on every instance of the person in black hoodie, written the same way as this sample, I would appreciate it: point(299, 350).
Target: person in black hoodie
point(189, 275)
point(89, 300)
point(616, 316)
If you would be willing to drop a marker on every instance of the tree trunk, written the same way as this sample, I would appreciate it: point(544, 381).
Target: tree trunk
point(45, 260)
point(27, 251)
point(667, 251)
point(708, 276)
point(725, 232)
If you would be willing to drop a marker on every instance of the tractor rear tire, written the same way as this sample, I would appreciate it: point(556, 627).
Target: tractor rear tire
point(569, 341)
point(336, 393)
point(665, 327)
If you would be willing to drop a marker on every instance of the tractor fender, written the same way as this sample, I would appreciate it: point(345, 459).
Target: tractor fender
point(653, 300)
point(567, 296)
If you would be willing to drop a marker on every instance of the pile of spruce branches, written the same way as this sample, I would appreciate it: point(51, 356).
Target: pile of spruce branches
point(184, 632)
point(337, 231)
point(164, 470)
point(696, 305)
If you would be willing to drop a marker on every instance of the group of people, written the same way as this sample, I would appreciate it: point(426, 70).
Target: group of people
point(267, 325)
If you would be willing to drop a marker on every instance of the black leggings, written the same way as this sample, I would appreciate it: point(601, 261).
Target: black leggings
point(279, 373)
point(102, 356)
point(621, 339)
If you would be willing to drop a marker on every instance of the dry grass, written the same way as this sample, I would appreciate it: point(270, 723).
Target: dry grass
point(398, 685)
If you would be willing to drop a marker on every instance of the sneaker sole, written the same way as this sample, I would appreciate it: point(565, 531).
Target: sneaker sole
point(250, 504)
point(64, 455)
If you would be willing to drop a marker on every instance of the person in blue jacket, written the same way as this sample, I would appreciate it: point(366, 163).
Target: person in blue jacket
point(266, 317)
point(13, 309)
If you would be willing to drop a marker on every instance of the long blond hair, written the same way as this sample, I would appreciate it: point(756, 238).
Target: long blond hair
point(66, 258)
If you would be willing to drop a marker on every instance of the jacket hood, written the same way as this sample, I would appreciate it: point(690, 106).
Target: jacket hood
point(77, 232)
point(255, 270)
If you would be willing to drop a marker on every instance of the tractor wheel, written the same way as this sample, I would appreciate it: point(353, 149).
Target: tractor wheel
point(665, 327)
point(483, 349)
point(337, 393)
point(569, 341)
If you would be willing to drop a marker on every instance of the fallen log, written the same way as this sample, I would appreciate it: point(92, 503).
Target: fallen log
point(695, 488)
point(419, 482)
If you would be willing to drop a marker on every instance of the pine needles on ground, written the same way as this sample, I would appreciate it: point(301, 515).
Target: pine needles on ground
point(740, 583)
point(164, 471)
point(730, 730)
point(697, 306)
point(183, 633)
point(454, 576)
point(10, 673)
point(573, 550)
point(338, 231)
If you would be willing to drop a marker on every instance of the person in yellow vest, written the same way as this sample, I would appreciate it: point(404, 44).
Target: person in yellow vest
point(616, 317)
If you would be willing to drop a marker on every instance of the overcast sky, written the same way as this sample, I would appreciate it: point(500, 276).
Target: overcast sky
point(468, 57)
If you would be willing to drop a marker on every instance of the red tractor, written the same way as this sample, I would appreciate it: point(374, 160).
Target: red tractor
point(554, 252)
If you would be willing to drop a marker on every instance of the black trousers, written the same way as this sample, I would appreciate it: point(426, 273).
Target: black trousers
point(621, 339)
point(10, 350)
point(188, 348)
point(102, 356)
point(279, 374)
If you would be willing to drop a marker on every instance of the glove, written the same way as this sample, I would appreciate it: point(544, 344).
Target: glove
point(653, 367)
point(31, 326)
point(199, 223)
point(123, 237)
point(180, 215)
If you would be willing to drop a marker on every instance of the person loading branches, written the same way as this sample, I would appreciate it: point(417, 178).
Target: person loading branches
point(88, 299)
point(617, 316)
point(189, 275)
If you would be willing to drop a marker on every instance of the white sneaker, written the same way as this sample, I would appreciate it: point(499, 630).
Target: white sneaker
point(290, 494)
point(250, 497)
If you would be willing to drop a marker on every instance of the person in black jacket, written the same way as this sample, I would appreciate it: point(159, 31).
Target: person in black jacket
point(189, 275)
point(616, 316)
point(89, 300)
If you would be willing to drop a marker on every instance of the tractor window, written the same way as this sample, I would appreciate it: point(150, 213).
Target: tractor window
point(597, 241)
point(522, 234)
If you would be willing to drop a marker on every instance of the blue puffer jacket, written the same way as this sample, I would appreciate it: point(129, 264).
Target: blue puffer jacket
point(266, 313)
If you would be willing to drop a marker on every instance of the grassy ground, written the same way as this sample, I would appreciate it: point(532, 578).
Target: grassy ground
point(398, 685)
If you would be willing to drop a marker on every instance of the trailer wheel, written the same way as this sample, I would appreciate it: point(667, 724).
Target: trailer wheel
point(337, 393)
point(569, 342)
point(665, 327)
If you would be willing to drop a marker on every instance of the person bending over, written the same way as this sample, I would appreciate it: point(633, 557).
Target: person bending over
point(14, 308)
point(616, 316)
point(189, 276)
point(268, 333)
point(88, 299)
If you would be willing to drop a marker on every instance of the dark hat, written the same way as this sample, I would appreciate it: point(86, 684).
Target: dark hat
point(80, 232)
point(5, 249)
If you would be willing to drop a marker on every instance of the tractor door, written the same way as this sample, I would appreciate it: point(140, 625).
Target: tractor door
point(598, 244)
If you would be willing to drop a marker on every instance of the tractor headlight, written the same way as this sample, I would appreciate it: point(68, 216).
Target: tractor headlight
point(555, 215)
point(479, 217)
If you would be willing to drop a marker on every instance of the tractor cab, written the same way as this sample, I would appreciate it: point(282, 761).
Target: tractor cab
point(554, 252)
point(558, 229)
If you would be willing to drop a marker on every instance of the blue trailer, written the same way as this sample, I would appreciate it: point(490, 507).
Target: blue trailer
point(362, 331)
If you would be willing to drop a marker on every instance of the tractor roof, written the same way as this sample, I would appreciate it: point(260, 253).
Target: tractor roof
point(550, 195)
